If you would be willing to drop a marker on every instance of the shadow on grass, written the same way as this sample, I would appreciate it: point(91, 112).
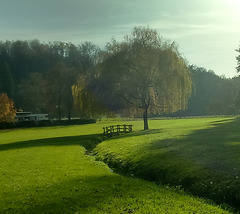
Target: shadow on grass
point(133, 134)
point(104, 194)
point(83, 195)
point(205, 162)
point(88, 141)
point(216, 148)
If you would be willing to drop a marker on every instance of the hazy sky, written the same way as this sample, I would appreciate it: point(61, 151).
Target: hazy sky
point(207, 31)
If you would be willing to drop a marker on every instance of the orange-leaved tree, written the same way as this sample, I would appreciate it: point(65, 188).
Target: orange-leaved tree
point(7, 110)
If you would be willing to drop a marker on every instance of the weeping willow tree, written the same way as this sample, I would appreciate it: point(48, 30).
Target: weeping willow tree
point(142, 74)
point(145, 73)
point(87, 100)
point(84, 100)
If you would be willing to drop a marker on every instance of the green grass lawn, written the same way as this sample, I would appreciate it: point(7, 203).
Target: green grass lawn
point(201, 155)
point(46, 170)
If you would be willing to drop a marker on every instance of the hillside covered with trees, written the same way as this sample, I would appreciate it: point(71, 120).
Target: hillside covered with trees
point(67, 80)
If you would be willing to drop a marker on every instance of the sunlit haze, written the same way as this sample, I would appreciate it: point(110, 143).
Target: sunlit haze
point(206, 31)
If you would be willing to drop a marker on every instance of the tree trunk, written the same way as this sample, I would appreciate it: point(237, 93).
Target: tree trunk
point(69, 108)
point(69, 115)
point(59, 113)
point(59, 107)
point(145, 119)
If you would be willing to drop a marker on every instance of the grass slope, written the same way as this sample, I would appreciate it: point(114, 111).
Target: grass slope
point(45, 170)
point(201, 155)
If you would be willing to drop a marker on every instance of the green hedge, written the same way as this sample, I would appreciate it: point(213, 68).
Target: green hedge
point(45, 123)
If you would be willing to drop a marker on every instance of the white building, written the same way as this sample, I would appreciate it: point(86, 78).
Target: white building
point(28, 116)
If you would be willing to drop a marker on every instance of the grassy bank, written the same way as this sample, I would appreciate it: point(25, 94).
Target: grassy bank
point(200, 155)
point(45, 170)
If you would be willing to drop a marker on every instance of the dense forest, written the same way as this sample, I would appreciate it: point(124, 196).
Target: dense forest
point(45, 78)
point(38, 77)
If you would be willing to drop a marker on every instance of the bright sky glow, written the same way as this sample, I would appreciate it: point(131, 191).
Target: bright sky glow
point(207, 31)
point(235, 3)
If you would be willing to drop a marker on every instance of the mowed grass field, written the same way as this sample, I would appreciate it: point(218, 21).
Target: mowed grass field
point(49, 170)
point(199, 155)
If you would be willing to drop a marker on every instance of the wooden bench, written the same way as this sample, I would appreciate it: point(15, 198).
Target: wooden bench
point(117, 129)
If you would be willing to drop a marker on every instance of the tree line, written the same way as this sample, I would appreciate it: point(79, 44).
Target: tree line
point(144, 75)
point(212, 94)
point(38, 77)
